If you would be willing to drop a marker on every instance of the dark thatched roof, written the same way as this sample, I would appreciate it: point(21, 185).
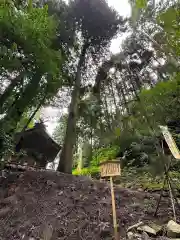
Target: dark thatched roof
point(37, 140)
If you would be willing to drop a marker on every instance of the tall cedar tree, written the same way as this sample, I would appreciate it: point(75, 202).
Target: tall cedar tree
point(97, 24)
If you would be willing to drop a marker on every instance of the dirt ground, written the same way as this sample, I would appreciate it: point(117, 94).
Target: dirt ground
point(48, 205)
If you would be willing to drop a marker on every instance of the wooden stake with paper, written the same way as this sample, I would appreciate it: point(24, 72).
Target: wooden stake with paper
point(110, 169)
point(167, 180)
point(170, 142)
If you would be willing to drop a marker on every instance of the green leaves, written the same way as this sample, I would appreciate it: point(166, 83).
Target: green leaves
point(117, 132)
point(137, 6)
point(161, 103)
point(60, 130)
point(141, 3)
point(26, 44)
point(32, 32)
point(6, 144)
point(169, 20)
point(91, 172)
point(104, 154)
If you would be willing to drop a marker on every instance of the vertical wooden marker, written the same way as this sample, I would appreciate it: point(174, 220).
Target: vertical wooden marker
point(116, 234)
point(110, 169)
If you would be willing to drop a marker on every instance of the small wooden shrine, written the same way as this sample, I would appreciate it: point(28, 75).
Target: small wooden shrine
point(40, 148)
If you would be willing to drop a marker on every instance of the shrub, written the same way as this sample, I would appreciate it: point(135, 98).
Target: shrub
point(103, 154)
point(91, 172)
point(6, 144)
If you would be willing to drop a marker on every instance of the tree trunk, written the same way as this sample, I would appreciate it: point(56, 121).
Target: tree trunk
point(8, 91)
point(107, 115)
point(91, 153)
point(66, 157)
point(31, 118)
point(80, 156)
point(15, 113)
point(35, 111)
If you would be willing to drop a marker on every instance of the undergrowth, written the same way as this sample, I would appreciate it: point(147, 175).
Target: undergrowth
point(134, 178)
point(90, 172)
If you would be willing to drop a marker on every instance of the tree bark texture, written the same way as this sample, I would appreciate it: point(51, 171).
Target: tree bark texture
point(15, 113)
point(66, 156)
point(8, 91)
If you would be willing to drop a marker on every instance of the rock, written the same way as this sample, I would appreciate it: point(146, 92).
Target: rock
point(4, 211)
point(47, 232)
point(104, 228)
point(61, 232)
point(135, 226)
point(10, 200)
point(134, 236)
point(156, 227)
point(105, 233)
point(165, 238)
point(60, 193)
point(105, 202)
point(51, 183)
point(130, 235)
point(24, 237)
point(21, 176)
point(135, 205)
point(173, 229)
point(145, 228)
point(145, 236)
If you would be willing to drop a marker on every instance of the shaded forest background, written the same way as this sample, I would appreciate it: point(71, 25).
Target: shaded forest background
point(57, 54)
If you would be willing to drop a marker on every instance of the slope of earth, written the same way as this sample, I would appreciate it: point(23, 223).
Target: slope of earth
point(48, 205)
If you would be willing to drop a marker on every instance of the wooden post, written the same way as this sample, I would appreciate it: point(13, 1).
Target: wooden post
point(172, 199)
point(116, 234)
point(109, 169)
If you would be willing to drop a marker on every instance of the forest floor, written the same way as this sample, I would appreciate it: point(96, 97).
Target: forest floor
point(48, 205)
